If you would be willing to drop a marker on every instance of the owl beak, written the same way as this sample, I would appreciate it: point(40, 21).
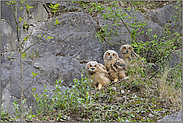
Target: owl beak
point(127, 51)
point(92, 68)
point(110, 57)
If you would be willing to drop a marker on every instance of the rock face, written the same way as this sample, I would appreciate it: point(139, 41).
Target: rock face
point(165, 15)
point(63, 57)
point(8, 37)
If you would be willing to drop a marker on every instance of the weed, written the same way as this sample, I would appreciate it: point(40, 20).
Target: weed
point(10, 56)
point(4, 116)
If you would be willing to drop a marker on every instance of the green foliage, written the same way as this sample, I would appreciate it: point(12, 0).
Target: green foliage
point(54, 7)
point(30, 115)
point(42, 102)
point(34, 74)
point(26, 38)
point(28, 7)
point(10, 56)
point(16, 109)
point(24, 55)
point(35, 54)
point(163, 45)
point(17, 112)
point(56, 22)
point(20, 19)
point(79, 101)
point(4, 116)
point(70, 100)
point(90, 105)
point(8, 3)
point(12, 2)
point(49, 37)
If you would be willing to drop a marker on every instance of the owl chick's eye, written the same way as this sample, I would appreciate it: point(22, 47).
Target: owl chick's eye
point(129, 48)
point(90, 65)
point(95, 65)
point(124, 48)
point(112, 54)
point(108, 54)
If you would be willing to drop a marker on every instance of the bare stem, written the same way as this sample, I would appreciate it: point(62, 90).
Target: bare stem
point(14, 11)
point(40, 37)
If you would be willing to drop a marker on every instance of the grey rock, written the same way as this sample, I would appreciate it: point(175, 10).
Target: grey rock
point(65, 6)
point(37, 12)
point(11, 85)
point(6, 13)
point(172, 118)
point(6, 99)
point(8, 37)
point(74, 37)
point(165, 15)
point(175, 58)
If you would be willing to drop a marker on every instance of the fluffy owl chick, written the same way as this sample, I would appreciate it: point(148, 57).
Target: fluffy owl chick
point(128, 54)
point(114, 65)
point(98, 73)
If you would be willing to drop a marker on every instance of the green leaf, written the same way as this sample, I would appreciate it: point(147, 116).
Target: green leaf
point(26, 38)
point(51, 5)
point(49, 37)
point(20, 19)
point(155, 36)
point(24, 55)
point(33, 89)
point(22, 1)
point(15, 102)
point(54, 7)
point(39, 35)
point(7, 3)
point(24, 101)
point(149, 30)
point(28, 7)
point(129, 17)
point(21, 8)
point(56, 22)
point(11, 54)
point(34, 74)
point(111, 44)
point(12, 2)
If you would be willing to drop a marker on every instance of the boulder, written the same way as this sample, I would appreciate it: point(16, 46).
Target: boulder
point(166, 15)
